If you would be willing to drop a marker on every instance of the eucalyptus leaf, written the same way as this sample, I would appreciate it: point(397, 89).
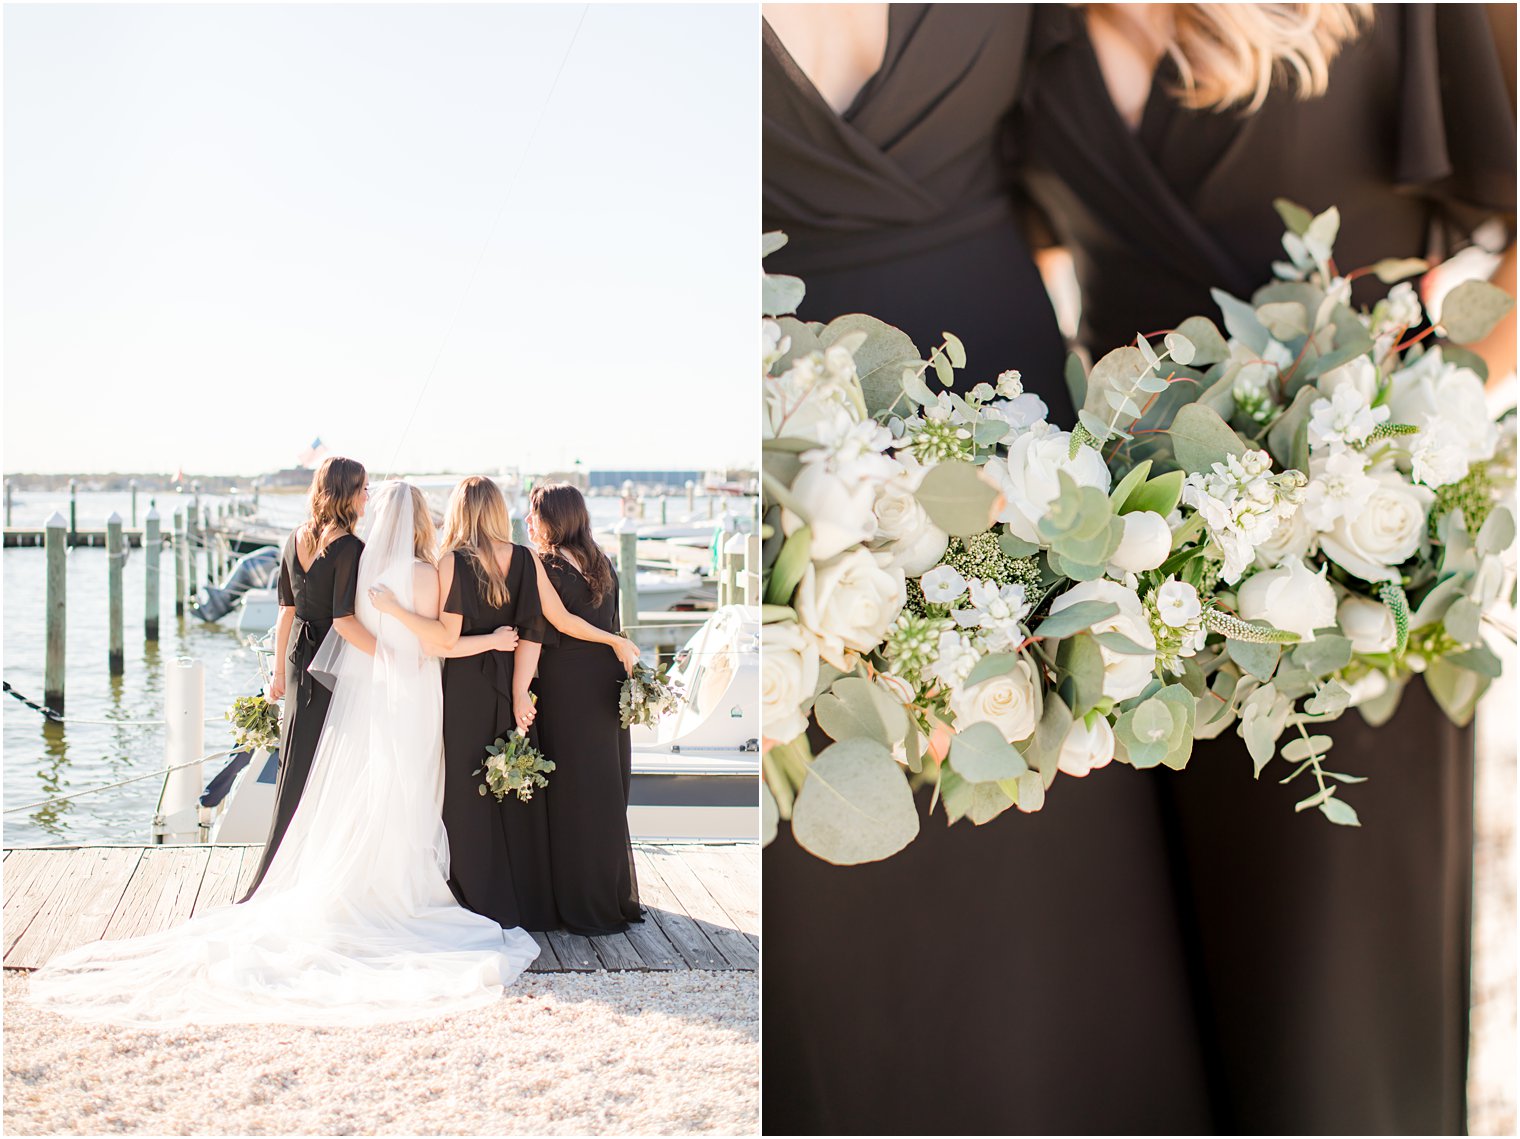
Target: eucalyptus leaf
point(1497, 533)
point(855, 805)
point(1339, 812)
point(1331, 700)
point(880, 358)
point(1291, 426)
point(1456, 689)
point(1464, 622)
point(1117, 371)
point(1241, 321)
point(1480, 659)
point(954, 349)
point(979, 753)
point(1075, 619)
point(1209, 347)
point(1294, 216)
point(780, 294)
point(993, 664)
point(1014, 546)
point(1117, 642)
point(856, 708)
point(1260, 660)
point(956, 499)
point(1181, 348)
point(1201, 439)
point(1392, 270)
point(1076, 379)
point(1081, 659)
point(1471, 310)
point(1284, 320)
point(1305, 746)
point(1327, 653)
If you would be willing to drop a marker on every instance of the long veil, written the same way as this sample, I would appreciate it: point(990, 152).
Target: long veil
point(354, 922)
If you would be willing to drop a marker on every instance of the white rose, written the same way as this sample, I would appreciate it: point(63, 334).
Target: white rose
point(848, 604)
point(1367, 687)
point(1360, 375)
point(1028, 476)
point(1291, 597)
point(1146, 543)
point(839, 510)
point(1124, 674)
point(1086, 749)
point(903, 528)
point(788, 680)
point(1386, 531)
point(1010, 702)
point(1293, 538)
point(1431, 390)
point(1369, 624)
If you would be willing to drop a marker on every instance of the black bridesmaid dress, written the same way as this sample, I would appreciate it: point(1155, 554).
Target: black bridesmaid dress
point(590, 855)
point(1025, 976)
point(323, 591)
point(1331, 962)
point(498, 851)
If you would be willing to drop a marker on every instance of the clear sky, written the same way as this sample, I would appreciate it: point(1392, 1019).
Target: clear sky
point(231, 229)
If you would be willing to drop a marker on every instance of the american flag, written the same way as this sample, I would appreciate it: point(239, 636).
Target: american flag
point(313, 454)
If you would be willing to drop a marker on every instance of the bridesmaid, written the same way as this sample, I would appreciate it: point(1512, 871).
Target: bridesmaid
point(319, 575)
point(590, 855)
point(1331, 963)
point(499, 851)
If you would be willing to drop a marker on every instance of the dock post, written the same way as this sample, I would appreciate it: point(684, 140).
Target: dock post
point(132, 483)
point(628, 573)
point(116, 554)
point(710, 500)
point(184, 716)
point(180, 544)
point(752, 569)
point(205, 536)
point(153, 548)
point(192, 525)
point(10, 485)
point(73, 513)
point(255, 509)
point(729, 570)
point(664, 511)
point(56, 615)
point(691, 497)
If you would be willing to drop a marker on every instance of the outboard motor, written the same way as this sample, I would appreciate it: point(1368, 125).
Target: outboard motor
point(252, 571)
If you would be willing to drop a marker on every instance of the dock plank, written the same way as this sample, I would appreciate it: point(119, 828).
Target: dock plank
point(91, 887)
point(733, 879)
point(654, 948)
point(30, 877)
point(684, 932)
point(716, 923)
point(574, 951)
point(219, 885)
point(251, 856)
point(162, 892)
point(617, 953)
point(547, 960)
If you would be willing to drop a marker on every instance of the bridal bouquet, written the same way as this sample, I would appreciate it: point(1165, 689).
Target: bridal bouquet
point(256, 723)
point(647, 695)
point(514, 767)
point(1253, 529)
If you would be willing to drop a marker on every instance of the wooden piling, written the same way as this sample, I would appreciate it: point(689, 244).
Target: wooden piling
point(116, 555)
point(153, 548)
point(133, 485)
point(664, 511)
point(73, 511)
point(56, 613)
point(691, 497)
point(730, 567)
point(628, 572)
point(9, 487)
point(751, 569)
point(181, 552)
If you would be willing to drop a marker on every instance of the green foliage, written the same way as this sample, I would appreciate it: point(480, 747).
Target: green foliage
point(957, 499)
point(1201, 438)
point(791, 563)
point(855, 805)
point(255, 722)
point(647, 694)
point(1075, 619)
point(1159, 495)
point(880, 356)
point(1471, 310)
point(981, 754)
point(513, 766)
point(856, 708)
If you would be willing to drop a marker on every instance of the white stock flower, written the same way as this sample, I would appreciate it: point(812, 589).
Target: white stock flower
point(1346, 419)
point(1368, 623)
point(1028, 477)
point(1439, 454)
point(942, 585)
point(1291, 597)
point(1019, 412)
point(903, 526)
point(1385, 532)
point(1177, 603)
point(1124, 674)
point(840, 511)
point(1146, 543)
point(1010, 702)
point(1432, 391)
point(788, 680)
point(996, 611)
point(813, 399)
point(1253, 373)
point(1086, 749)
point(773, 345)
point(1242, 504)
point(1338, 485)
point(954, 658)
point(1402, 307)
point(848, 603)
point(1010, 384)
point(1360, 375)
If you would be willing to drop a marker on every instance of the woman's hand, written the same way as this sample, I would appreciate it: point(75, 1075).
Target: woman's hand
point(523, 709)
point(627, 653)
point(381, 597)
point(277, 686)
point(504, 639)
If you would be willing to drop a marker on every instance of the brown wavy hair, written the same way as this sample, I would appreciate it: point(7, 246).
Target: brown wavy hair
point(424, 533)
point(1231, 55)
point(335, 500)
point(564, 524)
point(475, 522)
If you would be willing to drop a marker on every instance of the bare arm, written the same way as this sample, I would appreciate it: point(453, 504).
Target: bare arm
point(440, 632)
point(352, 630)
point(523, 670)
point(286, 619)
point(572, 626)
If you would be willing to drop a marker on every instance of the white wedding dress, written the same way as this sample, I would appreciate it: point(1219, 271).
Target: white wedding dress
point(354, 922)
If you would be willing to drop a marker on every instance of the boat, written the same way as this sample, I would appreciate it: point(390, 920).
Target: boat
point(253, 571)
point(695, 772)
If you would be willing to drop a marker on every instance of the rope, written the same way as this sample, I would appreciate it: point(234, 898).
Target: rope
point(108, 786)
point(491, 233)
point(59, 718)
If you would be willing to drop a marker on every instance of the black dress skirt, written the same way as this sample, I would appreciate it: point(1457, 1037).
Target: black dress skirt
point(323, 591)
point(1025, 976)
point(1331, 962)
point(498, 851)
point(579, 728)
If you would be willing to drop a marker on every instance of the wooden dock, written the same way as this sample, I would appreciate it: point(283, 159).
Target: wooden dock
point(701, 903)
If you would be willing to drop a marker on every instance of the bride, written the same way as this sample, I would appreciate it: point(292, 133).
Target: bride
point(354, 922)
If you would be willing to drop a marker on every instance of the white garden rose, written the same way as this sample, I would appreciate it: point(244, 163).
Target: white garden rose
point(1291, 597)
point(848, 603)
point(1028, 476)
point(839, 510)
point(1359, 374)
point(788, 680)
point(1369, 624)
point(1146, 543)
point(1386, 530)
point(1431, 390)
point(1086, 748)
point(1124, 674)
point(1293, 538)
point(1010, 702)
point(903, 527)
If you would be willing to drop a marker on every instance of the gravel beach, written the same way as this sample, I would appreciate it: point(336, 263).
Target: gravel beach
point(588, 1053)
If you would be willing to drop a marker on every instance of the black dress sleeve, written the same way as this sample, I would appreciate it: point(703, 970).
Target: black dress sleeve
point(454, 602)
point(527, 609)
point(614, 617)
point(285, 590)
point(1456, 113)
point(345, 566)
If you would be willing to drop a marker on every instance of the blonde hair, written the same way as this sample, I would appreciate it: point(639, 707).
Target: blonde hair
point(334, 500)
point(1230, 55)
point(475, 522)
point(424, 534)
